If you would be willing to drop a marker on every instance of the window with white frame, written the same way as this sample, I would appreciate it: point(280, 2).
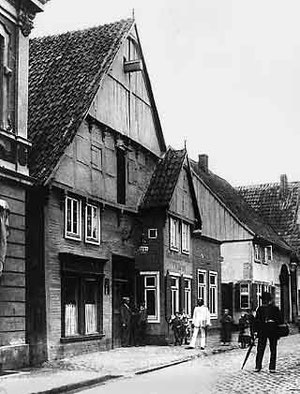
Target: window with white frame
point(152, 233)
point(259, 294)
point(72, 218)
point(174, 234)
point(92, 224)
point(187, 296)
point(202, 284)
point(185, 238)
point(268, 254)
point(213, 293)
point(245, 295)
point(151, 295)
point(257, 253)
point(174, 295)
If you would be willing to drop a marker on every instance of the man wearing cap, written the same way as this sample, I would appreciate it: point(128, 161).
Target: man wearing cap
point(125, 314)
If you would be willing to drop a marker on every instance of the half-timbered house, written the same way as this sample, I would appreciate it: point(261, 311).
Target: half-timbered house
point(16, 22)
point(96, 140)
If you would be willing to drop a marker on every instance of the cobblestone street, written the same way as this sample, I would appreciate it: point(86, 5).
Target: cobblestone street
point(220, 373)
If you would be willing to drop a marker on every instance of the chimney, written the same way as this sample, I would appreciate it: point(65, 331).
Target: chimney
point(203, 162)
point(283, 185)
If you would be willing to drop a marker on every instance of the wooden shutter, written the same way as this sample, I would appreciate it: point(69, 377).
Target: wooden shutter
point(167, 296)
point(253, 301)
point(237, 297)
point(181, 293)
point(140, 288)
point(121, 177)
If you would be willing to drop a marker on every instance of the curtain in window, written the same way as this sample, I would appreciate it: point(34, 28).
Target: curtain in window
point(90, 318)
point(71, 326)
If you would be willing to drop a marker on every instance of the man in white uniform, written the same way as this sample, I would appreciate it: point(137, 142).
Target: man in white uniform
point(201, 320)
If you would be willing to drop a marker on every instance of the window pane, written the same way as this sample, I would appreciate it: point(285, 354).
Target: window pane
point(244, 288)
point(150, 281)
point(244, 301)
point(90, 307)
point(201, 277)
point(150, 302)
point(75, 216)
point(71, 306)
point(89, 220)
point(69, 228)
point(212, 280)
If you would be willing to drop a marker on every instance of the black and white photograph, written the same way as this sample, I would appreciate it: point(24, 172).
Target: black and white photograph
point(149, 196)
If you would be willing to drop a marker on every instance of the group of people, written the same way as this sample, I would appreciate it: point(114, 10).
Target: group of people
point(181, 328)
point(262, 326)
point(133, 322)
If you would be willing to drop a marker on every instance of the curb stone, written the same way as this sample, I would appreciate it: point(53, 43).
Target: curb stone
point(74, 386)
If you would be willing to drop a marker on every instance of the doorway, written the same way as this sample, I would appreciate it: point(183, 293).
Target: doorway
point(123, 274)
point(285, 293)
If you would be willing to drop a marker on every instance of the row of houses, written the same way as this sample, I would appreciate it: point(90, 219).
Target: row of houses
point(110, 211)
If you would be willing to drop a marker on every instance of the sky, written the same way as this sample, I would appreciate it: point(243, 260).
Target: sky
point(225, 76)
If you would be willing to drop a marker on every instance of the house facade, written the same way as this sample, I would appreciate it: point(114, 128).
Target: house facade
point(253, 255)
point(174, 270)
point(278, 204)
point(94, 151)
point(16, 22)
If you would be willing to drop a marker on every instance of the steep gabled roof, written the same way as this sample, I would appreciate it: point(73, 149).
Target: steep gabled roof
point(64, 76)
point(278, 208)
point(238, 206)
point(164, 180)
point(65, 73)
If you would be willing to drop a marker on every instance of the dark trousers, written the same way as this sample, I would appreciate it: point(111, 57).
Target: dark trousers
point(125, 339)
point(261, 346)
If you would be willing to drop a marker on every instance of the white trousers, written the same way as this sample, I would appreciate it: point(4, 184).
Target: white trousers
point(202, 336)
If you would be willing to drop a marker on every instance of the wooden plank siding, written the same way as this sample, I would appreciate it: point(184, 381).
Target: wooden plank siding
point(12, 281)
point(123, 102)
point(218, 222)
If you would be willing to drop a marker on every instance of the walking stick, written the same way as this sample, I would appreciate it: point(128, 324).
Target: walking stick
point(249, 351)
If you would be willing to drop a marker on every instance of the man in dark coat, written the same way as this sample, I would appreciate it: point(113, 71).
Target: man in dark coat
point(266, 320)
point(125, 316)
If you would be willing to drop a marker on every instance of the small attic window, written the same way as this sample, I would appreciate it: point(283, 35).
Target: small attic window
point(152, 233)
point(131, 66)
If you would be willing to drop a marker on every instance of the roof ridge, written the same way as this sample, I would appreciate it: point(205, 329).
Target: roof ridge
point(81, 30)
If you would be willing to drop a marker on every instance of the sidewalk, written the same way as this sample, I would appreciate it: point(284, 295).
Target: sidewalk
point(86, 370)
